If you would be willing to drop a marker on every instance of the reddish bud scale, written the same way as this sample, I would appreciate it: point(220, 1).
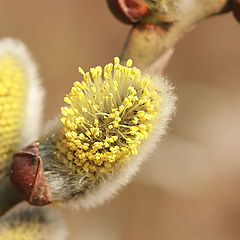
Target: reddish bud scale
point(128, 11)
point(236, 9)
point(27, 176)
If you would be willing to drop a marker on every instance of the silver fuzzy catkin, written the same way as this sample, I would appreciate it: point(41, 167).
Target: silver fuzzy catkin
point(106, 131)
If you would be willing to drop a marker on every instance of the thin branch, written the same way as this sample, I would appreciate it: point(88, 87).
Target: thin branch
point(149, 39)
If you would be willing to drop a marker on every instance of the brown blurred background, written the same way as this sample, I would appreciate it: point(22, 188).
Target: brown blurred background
point(189, 188)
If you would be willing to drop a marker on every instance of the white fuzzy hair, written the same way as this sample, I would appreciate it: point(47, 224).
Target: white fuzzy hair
point(186, 5)
point(59, 229)
point(52, 223)
point(35, 94)
point(109, 189)
point(180, 6)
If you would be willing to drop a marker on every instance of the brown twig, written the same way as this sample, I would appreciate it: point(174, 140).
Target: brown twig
point(155, 33)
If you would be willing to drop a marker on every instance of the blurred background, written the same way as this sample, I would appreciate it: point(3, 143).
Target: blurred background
point(189, 188)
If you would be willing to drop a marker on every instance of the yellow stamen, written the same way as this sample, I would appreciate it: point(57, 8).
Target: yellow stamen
point(107, 119)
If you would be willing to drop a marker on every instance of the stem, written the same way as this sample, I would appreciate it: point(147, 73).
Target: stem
point(8, 195)
point(149, 39)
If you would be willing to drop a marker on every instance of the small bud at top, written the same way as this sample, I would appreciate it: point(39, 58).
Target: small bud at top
point(128, 11)
point(236, 9)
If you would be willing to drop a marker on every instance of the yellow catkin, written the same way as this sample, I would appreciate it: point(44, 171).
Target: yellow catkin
point(24, 231)
point(109, 114)
point(12, 103)
point(28, 223)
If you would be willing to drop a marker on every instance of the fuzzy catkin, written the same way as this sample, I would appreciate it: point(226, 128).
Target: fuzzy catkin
point(20, 100)
point(32, 223)
point(113, 119)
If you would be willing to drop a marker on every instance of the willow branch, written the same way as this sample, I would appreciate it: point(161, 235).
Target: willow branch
point(152, 36)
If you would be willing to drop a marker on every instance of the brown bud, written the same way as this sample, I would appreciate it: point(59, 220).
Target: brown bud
point(236, 9)
point(128, 11)
point(27, 175)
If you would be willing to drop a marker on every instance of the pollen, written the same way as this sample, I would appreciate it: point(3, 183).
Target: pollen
point(109, 114)
point(13, 87)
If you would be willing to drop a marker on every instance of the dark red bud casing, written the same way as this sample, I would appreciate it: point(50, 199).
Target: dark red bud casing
point(27, 176)
point(128, 11)
point(236, 9)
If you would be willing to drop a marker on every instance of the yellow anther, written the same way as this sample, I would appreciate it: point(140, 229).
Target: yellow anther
point(79, 120)
point(87, 77)
point(142, 127)
point(93, 89)
point(96, 122)
point(88, 133)
point(84, 109)
point(116, 60)
point(82, 136)
point(129, 63)
point(95, 107)
point(121, 108)
point(81, 70)
point(67, 100)
point(71, 135)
